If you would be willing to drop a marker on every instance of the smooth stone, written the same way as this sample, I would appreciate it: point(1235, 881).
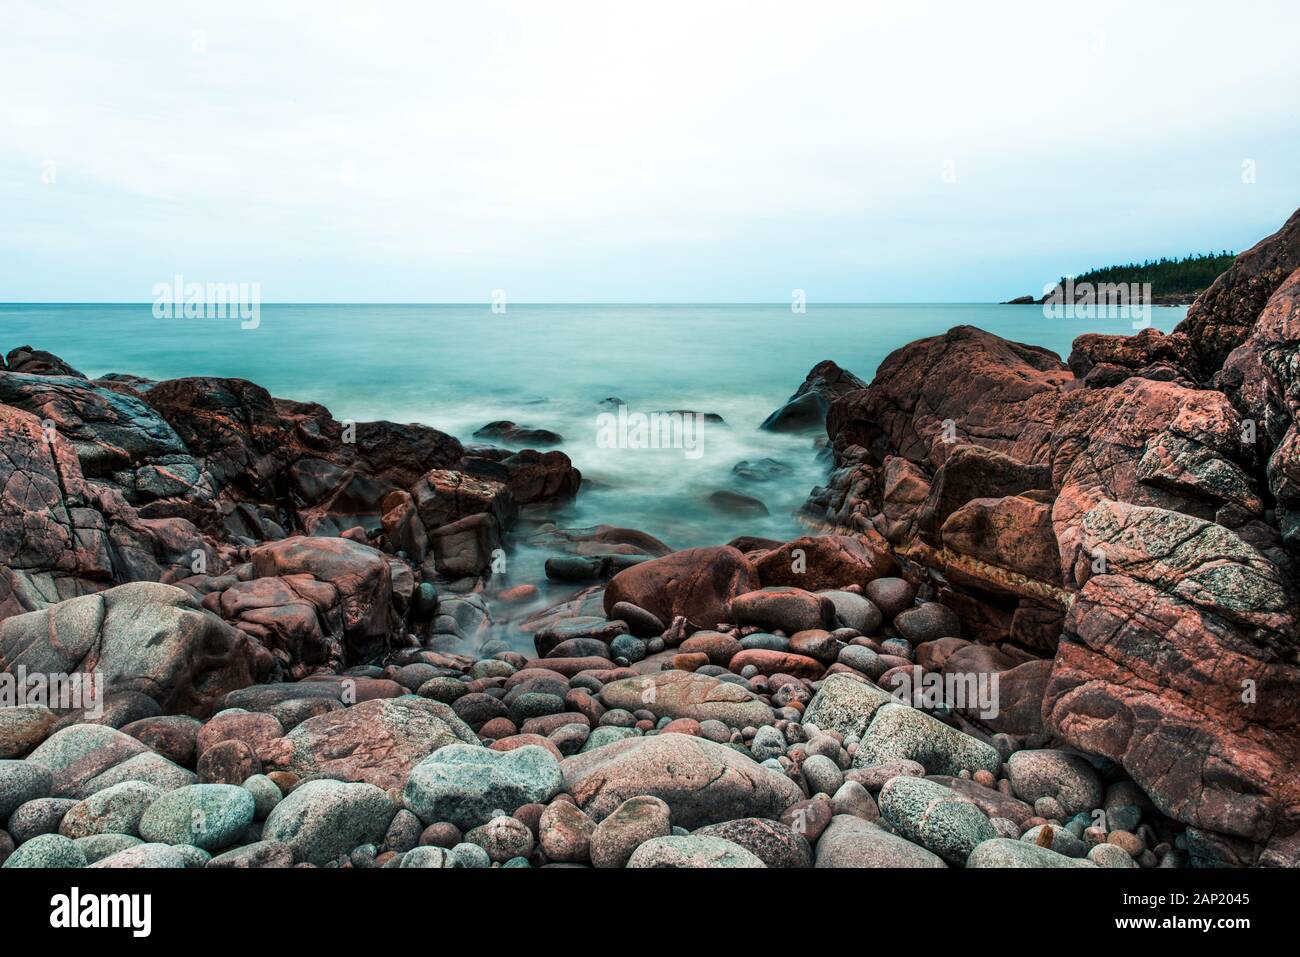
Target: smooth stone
point(692, 851)
point(469, 785)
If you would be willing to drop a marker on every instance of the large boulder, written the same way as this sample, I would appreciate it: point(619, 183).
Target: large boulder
point(143, 638)
point(850, 841)
point(376, 741)
point(360, 575)
point(702, 782)
point(819, 562)
point(685, 694)
point(695, 583)
point(1179, 663)
point(321, 820)
point(468, 785)
point(806, 409)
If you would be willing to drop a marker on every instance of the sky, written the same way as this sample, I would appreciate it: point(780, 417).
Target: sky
point(613, 151)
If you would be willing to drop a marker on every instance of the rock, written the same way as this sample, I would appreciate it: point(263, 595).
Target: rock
point(230, 762)
point(20, 782)
point(209, 816)
point(934, 816)
point(175, 737)
point(627, 827)
point(467, 785)
point(760, 470)
point(1222, 317)
point(114, 810)
point(512, 434)
point(259, 854)
point(773, 843)
point(503, 838)
point(23, 728)
point(853, 798)
point(1007, 852)
point(266, 794)
point(1068, 778)
point(682, 694)
point(819, 562)
point(854, 611)
point(702, 782)
point(852, 842)
point(787, 609)
point(144, 638)
point(846, 705)
point(720, 648)
point(900, 732)
point(639, 621)
point(822, 774)
point(38, 816)
point(695, 583)
point(565, 833)
point(360, 574)
point(1108, 855)
point(778, 662)
point(47, 850)
point(143, 856)
point(376, 741)
point(322, 819)
point(734, 503)
point(892, 596)
point(806, 409)
point(691, 851)
point(928, 621)
point(430, 857)
point(96, 847)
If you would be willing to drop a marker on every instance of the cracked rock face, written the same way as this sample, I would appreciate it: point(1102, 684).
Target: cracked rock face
point(1159, 554)
point(144, 638)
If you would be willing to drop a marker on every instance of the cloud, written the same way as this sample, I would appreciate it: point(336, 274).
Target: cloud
point(597, 151)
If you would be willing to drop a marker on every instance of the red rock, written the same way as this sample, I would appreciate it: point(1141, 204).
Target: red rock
point(695, 583)
point(719, 648)
point(778, 662)
point(819, 562)
point(682, 726)
point(691, 661)
point(571, 666)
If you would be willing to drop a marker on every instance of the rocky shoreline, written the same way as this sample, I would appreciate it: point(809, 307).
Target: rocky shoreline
point(308, 657)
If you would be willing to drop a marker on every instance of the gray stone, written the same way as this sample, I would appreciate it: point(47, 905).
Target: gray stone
point(1067, 778)
point(772, 842)
point(143, 856)
point(38, 816)
point(692, 851)
point(322, 819)
point(114, 810)
point(469, 785)
point(1006, 852)
point(428, 856)
point(850, 841)
point(1109, 855)
point(96, 847)
point(209, 816)
point(822, 774)
point(935, 817)
point(47, 850)
point(899, 731)
point(20, 782)
point(702, 782)
point(845, 704)
point(1061, 840)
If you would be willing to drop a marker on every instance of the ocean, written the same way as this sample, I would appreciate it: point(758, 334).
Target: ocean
point(458, 367)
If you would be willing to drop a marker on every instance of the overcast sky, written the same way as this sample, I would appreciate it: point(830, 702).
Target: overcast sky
point(620, 151)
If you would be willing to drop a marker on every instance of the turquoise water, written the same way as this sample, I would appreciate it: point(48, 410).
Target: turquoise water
point(549, 366)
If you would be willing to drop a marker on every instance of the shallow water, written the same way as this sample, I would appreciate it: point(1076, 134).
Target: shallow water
point(550, 366)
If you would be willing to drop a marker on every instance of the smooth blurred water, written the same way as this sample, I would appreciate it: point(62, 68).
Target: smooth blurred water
point(549, 366)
